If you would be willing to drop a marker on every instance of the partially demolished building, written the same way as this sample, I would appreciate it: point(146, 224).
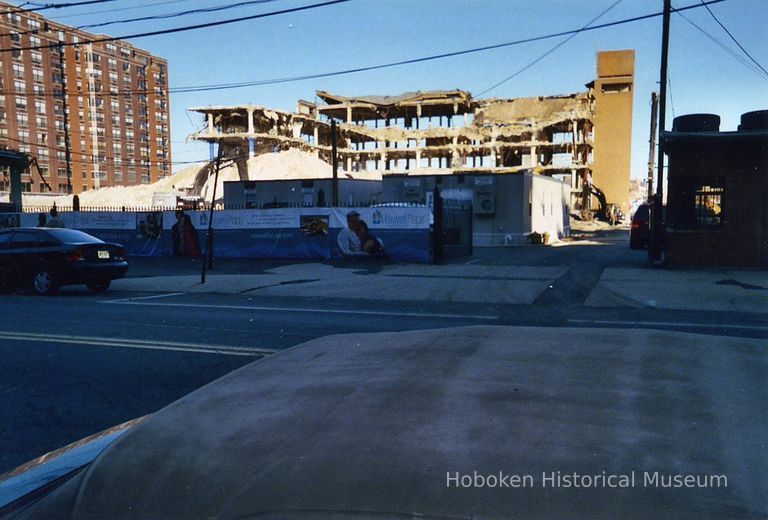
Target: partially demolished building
point(446, 132)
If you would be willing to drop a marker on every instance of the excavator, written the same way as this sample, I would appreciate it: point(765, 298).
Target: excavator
point(607, 212)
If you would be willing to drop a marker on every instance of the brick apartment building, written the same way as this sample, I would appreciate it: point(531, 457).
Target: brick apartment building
point(116, 106)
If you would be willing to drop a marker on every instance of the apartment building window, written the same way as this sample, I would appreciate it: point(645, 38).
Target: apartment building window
point(115, 105)
point(33, 24)
point(18, 70)
point(24, 136)
point(22, 119)
point(16, 54)
point(36, 56)
point(116, 133)
point(39, 90)
point(113, 77)
point(37, 75)
point(41, 121)
point(20, 86)
point(40, 105)
point(14, 18)
point(42, 138)
point(15, 37)
point(111, 48)
point(21, 103)
point(42, 153)
point(34, 41)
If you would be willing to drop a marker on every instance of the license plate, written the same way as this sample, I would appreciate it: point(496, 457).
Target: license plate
point(103, 254)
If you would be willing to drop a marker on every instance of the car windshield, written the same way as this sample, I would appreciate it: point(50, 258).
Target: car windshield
point(385, 258)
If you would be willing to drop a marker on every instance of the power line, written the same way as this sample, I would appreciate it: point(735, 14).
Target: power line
point(274, 81)
point(723, 46)
point(224, 86)
point(753, 60)
point(89, 158)
point(178, 14)
point(152, 17)
point(119, 9)
point(53, 6)
point(183, 28)
point(550, 51)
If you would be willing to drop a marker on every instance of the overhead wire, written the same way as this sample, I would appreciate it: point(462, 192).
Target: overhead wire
point(723, 46)
point(155, 17)
point(53, 6)
point(132, 7)
point(94, 159)
point(753, 60)
point(173, 30)
point(550, 51)
point(289, 79)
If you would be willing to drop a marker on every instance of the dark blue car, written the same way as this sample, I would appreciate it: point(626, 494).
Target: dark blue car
point(46, 259)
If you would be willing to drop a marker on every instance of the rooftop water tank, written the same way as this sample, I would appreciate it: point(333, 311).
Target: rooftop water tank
point(696, 123)
point(757, 120)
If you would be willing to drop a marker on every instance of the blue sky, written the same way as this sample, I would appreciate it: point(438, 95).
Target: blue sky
point(703, 76)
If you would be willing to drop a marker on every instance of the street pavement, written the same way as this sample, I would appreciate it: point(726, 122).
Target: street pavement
point(75, 364)
point(376, 425)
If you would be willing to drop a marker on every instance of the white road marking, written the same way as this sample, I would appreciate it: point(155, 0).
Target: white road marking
point(671, 324)
point(312, 310)
point(144, 297)
point(133, 343)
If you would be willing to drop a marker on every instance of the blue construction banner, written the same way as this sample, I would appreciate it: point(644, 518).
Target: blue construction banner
point(398, 233)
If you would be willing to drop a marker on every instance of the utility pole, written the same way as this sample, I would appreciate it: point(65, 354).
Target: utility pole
point(654, 251)
point(208, 258)
point(335, 165)
point(67, 149)
point(652, 152)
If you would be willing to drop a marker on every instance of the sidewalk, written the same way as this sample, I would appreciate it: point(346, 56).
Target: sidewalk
point(470, 281)
point(705, 290)
point(362, 280)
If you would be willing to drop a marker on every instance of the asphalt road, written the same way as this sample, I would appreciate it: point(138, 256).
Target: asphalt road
point(74, 364)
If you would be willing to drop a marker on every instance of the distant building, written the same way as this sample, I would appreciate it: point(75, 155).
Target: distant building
point(450, 132)
point(117, 105)
point(717, 200)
